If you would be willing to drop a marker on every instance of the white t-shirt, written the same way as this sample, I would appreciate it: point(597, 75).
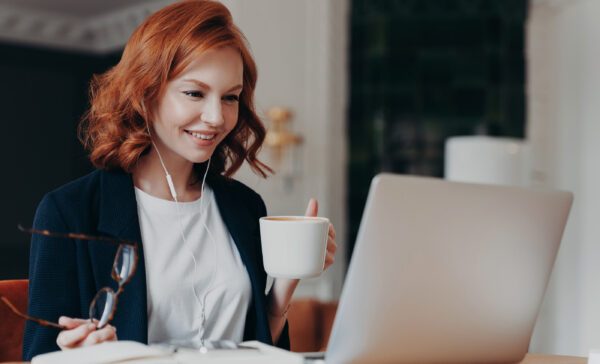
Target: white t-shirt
point(174, 314)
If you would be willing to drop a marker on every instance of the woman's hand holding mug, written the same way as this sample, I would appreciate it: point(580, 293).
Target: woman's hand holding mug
point(311, 211)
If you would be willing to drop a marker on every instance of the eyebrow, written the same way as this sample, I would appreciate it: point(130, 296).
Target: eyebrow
point(202, 84)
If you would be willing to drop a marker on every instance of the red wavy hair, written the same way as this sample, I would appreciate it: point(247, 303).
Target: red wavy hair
point(113, 130)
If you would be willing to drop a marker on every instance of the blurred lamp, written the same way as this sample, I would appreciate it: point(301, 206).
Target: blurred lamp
point(279, 139)
point(484, 159)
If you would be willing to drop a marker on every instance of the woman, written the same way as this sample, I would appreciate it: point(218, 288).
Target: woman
point(166, 128)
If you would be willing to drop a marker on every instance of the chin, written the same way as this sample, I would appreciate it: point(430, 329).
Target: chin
point(198, 155)
point(197, 159)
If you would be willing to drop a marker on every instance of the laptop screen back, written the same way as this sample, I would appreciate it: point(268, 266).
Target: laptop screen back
point(447, 272)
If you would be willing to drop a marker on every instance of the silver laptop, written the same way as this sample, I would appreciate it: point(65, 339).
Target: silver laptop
point(446, 272)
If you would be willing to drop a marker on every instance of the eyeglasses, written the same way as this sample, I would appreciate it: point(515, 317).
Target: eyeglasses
point(104, 305)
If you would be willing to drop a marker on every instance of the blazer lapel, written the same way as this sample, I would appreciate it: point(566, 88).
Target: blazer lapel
point(242, 225)
point(118, 217)
point(238, 222)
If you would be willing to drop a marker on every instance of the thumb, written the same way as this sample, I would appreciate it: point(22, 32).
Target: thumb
point(313, 208)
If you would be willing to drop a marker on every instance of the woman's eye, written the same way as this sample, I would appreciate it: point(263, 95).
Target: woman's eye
point(195, 94)
point(231, 98)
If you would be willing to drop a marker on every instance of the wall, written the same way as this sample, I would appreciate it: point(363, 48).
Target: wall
point(300, 50)
point(564, 130)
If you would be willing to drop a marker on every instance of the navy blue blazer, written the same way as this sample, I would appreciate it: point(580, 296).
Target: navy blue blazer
point(65, 274)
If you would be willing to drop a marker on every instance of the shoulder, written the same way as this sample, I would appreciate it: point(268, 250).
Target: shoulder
point(77, 187)
point(238, 192)
point(72, 200)
point(239, 188)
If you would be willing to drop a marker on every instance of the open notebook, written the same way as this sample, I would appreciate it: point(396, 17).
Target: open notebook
point(132, 352)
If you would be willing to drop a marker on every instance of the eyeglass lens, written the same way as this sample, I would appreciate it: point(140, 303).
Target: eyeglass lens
point(104, 304)
point(103, 307)
point(124, 265)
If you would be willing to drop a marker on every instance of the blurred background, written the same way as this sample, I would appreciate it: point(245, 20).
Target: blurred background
point(348, 89)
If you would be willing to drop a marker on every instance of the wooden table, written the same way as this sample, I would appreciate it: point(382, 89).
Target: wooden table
point(553, 359)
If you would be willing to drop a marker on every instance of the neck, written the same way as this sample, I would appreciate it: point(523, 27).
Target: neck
point(149, 176)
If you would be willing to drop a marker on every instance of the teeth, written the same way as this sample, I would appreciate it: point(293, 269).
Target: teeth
point(202, 136)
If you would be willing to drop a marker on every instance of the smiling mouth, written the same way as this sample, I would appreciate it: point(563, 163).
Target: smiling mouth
point(201, 136)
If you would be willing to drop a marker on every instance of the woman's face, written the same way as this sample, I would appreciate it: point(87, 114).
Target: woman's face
point(200, 107)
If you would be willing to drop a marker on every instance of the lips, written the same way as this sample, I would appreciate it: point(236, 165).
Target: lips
point(201, 135)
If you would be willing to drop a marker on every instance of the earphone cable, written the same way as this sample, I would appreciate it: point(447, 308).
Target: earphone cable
point(201, 302)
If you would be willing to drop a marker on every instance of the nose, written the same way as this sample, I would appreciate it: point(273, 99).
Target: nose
point(212, 112)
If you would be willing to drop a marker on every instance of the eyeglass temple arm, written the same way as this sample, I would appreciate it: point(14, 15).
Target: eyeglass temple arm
point(75, 236)
point(24, 316)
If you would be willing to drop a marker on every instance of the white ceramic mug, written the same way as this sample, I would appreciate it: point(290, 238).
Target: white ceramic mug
point(294, 246)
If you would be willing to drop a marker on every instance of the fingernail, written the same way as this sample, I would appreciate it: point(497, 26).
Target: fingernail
point(91, 326)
